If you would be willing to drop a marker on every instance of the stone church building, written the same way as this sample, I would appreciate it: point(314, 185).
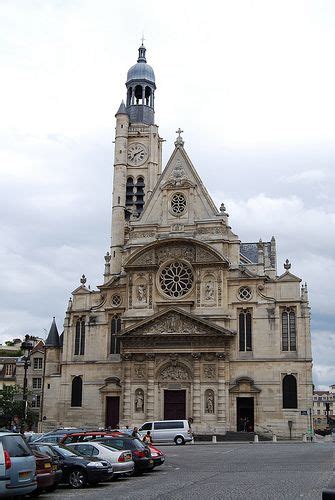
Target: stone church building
point(189, 322)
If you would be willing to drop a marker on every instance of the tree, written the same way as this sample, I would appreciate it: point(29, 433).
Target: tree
point(12, 404)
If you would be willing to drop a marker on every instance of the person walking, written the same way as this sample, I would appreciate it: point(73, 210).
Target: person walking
point(147, 438)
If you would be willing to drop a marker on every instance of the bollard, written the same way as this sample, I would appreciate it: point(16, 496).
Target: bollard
point(274, 438)
point(256, 438)
point(304, 438)
point(213, 439)
point(192, 442)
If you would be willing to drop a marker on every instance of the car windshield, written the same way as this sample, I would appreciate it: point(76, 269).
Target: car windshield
point(66, 452)
point(124, 444)
point(46, 449)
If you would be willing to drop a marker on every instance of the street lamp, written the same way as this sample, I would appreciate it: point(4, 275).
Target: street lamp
point(26, 346)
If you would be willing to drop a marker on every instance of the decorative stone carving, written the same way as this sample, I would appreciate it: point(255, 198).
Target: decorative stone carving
point(177, 227)
point(174, 372)
point(139, 371)
point(174, 323)
point(210, 371)
point(217, 230)
point(144, 259)
point(150, 356)
point(204, 255)
point(167, 252)
point(209, 401)
point(139, 401)
point(142, 234)
point(196, 355)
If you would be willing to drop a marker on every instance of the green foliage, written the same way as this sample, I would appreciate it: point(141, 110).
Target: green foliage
point(9, 343)
point(11, 354)
point(9, 407)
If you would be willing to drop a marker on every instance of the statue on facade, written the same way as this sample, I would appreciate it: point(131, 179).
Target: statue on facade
point(142, 293)
point(209, 290)
point(210, 404)
point(139, 402)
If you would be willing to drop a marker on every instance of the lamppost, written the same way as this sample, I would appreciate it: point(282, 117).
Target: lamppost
point(26, 346)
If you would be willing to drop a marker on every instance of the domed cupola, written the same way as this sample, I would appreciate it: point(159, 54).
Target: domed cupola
point(140, 90)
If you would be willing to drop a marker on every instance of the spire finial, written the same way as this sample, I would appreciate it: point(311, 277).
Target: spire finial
point(287, 265)
point(142, 39)
point(179, 141)
point(83, 279)
point(141, 53)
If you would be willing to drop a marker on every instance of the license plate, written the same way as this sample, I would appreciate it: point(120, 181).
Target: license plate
point(47, 465)
point(24, 474)
point(110, 470)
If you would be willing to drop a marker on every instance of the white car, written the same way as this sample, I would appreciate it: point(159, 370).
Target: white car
point(121, 460)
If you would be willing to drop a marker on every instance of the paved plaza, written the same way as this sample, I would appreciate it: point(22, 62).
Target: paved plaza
point(229, 471)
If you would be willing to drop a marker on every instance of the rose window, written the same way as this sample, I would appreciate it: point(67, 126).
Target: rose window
point(178, 203)
point(176, 279)
point(244, 293)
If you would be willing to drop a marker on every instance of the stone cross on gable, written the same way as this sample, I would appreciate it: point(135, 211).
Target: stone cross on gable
point(179, 141)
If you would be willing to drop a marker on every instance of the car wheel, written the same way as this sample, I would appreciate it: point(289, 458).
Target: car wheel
point(77, 478)
point(179, 440)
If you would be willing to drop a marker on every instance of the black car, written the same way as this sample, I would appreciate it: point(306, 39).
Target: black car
point(141, 454)
point(47, 449)
point(79, 471)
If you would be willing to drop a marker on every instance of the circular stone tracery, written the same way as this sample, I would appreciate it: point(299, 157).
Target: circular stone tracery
point(244, 293)
point(176, 279)
point(178, 204)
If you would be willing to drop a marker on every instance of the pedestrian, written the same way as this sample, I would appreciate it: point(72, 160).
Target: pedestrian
point(135, 432)
point(147, 438)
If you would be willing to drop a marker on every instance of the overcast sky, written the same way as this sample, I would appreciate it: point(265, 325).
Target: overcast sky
point(251, 83)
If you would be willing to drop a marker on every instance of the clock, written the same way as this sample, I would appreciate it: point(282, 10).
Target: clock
point(137, 154)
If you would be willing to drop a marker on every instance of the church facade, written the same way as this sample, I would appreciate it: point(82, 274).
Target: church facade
point(189, 322)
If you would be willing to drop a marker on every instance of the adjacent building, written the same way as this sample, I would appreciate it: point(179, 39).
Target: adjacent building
point(321, 401)
point(189, 321)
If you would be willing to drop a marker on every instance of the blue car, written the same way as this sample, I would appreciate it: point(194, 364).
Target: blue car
point(17, 466)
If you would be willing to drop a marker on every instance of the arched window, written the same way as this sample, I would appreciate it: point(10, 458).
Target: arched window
point(79, 344)
point(289, 332)
point(115, 329)
point(290, 398)
point(77, 391)
point(138, 94)
point(147, 96)
point(245, 331)
point(139, 194)
point(129, 196)
point(129, 96)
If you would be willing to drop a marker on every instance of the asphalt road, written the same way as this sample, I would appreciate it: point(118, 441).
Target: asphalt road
point(230, 471)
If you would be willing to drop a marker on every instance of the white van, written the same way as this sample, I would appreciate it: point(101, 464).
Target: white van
point(168, 431)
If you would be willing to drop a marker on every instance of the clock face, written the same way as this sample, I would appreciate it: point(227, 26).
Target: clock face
point(137, 154)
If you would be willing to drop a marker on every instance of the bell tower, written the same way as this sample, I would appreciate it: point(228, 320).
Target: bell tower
point(138, 153)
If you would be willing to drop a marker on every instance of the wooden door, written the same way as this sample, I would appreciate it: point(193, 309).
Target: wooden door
point(112, 411)
point(174, 405)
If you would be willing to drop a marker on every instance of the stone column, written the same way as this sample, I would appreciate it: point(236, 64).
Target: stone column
point(127, 410)
point(150, 386)
point(221, 403)
point(196, 404)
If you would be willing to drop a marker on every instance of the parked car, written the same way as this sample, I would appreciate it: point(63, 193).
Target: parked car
point(57, 435)
point(168, 431)
point(46, 449)
point(157, 455)
point(31, 436)
point(141, 454)
point(45, 475)
point(78, 470)
point(77, 437)
point(329, 492)
point(121, 461)
point(17, 466)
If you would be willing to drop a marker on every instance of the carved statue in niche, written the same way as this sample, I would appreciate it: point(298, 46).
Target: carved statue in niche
point(209, 400)
point(139, 401)
point(209, 290)
point(142, 293)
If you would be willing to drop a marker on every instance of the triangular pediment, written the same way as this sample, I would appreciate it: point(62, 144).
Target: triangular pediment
point(179, 176)
point(287, 276)
point(175, 321)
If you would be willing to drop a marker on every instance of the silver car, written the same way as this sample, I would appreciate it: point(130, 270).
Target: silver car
point(168, 431)
point(17, 466)
point(121, 461)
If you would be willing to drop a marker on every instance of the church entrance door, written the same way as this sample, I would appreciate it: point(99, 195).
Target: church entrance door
point(174, 405)
point(245, 414)
point(112, 411)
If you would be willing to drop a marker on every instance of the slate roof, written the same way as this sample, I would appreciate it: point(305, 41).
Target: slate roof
point(250, 251)
point(53, 337)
